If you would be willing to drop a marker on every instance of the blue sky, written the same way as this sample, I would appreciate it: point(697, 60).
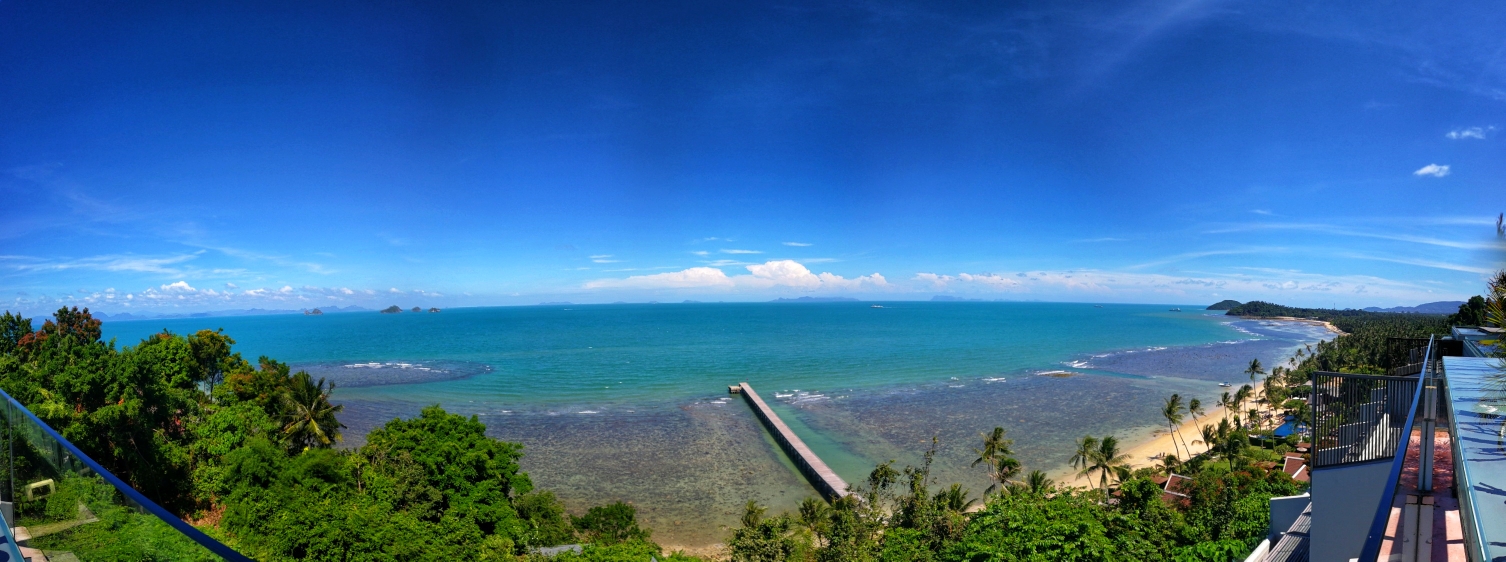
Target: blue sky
point(183, 156)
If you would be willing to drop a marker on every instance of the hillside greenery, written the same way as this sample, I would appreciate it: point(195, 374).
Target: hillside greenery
point(247, 451)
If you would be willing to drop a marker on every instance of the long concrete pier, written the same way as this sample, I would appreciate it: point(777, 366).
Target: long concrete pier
point(821, 476)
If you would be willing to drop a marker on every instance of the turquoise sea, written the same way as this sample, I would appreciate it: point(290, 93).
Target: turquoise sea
point(630, 401)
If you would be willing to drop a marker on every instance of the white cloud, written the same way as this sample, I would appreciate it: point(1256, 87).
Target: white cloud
point(346, 291)
point(255, 292)
point(797, 244)
point(394, 290)
point(727, 251)
point(701, 253)
point(231, 286)
point(286, 289)
point(767, 275)
point(1470, 133)
point(695, 277)
point(601, 256)
point(178, 287)
point(937, 281)
point(990, 279)
point(1435, 170)
point(1260, 211)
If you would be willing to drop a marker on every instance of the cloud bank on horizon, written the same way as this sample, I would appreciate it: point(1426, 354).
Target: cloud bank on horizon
point(157, 158)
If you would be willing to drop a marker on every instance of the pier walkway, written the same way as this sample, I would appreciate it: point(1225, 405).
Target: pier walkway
point(821, 476)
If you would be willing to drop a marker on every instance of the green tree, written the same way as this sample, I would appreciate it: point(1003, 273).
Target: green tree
point(1107, 461)
point(994, 445)
point(1172, 411)
point(612, 524)
point(763, 539)
point(1254, 370)
point(309, 417)
point(1082, 459)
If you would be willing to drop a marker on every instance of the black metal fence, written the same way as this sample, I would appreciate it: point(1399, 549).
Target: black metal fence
point(1403, 356)
point(1359, 418)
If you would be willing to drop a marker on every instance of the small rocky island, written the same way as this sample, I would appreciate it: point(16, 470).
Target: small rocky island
point(1225, 304)
point(434, 309)
point(314, 312)
point(391, 310)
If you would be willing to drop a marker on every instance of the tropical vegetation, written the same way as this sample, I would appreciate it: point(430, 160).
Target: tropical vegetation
point(247, 452)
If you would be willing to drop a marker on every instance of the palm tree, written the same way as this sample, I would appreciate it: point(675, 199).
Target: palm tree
point(1037, 484)
point(1254, 370)
point(952, 499)
point(309, 419)
point(1003, 471)
point(1170, 463)
point(1210, 437)
point(994, 446)
point(1172, 410)
point(1107, 460)
point(1083, 458)
point(1241, 396)
point(1225, 402)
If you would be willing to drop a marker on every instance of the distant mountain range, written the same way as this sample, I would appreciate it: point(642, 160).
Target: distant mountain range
point(1440, 307)
point(817, 299)
point(950, 298)
point(124, 316)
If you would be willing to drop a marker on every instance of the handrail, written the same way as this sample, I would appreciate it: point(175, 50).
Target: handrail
point(135, 496)
point(1388, 495)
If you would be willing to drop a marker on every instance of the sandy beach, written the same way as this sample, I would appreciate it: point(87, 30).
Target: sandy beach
point(1150, 451)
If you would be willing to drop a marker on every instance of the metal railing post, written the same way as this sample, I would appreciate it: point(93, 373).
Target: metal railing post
point(1429, 424)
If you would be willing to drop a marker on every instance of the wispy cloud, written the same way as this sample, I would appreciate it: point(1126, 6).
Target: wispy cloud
point(734, 251)
point(1247, 284)
point(797, 244)
point(1343, 231)
point(776, 274)
point(1424, 263)
point(113, 263)
point(1103, 239)
point(1195, 255)
point(726, 263)
point(1434, 170)
point(1470, 133)
point(1261, 212)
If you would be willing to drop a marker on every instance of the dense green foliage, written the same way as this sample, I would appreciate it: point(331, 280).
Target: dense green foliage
point(890, 519)
point(1225, 304)
point(1369, 344)
point(247, 451)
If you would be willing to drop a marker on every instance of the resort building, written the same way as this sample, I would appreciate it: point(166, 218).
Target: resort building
point(1408, 466)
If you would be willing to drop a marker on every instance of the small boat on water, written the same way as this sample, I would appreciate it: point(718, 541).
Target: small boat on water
point(876, 306)
point(1225, 385)
point(1176, 310)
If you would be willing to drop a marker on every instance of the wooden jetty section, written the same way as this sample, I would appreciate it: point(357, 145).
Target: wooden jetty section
point(821, 476)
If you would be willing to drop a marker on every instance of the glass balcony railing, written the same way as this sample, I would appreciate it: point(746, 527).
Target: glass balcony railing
point(1476, 403)
point(59, 504)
